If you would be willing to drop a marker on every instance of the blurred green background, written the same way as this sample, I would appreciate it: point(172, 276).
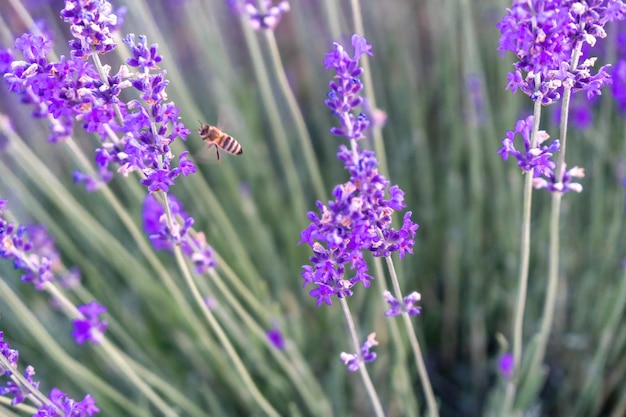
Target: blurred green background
point(439, 78)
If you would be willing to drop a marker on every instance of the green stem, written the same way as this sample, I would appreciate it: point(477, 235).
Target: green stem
point(369, 386)
point(303, 134)
point(522, 290)
point(433, 410)
point(221, 335)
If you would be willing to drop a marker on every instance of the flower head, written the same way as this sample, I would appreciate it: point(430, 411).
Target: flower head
point(406, 306)
point(92, 23)
point(544, 34)
point(358, 218)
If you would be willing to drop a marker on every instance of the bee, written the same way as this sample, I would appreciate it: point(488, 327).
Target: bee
point(215, 137)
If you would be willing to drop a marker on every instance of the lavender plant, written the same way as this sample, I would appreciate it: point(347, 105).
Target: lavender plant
point(164, 283)
point(548, 37)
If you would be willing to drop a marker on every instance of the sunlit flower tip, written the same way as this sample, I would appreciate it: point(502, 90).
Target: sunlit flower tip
point(505, 365)
point(90, 327)
point(353, 361)
point(275, 337)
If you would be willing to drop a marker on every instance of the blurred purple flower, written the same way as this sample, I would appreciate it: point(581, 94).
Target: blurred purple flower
point(60, 400)
point(163, 236)
point(353, 361)
point(406, 306)
point(90, 328)
point(266, 17)
point(505, 365)
point(275, 337)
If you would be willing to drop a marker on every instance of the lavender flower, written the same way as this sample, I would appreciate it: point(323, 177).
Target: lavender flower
point(543, 35)
point(90, 328)
point(165, 237)
point(359, 217)
point(72, 89)
point(406, 306)
point(275, 337)
point(266, 17)
point(58, 401)
point(92, 23)
point(505, 365)
point(537, 158)
point(353, 360)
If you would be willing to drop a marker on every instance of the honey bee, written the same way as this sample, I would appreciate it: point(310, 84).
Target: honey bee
point(215, 137)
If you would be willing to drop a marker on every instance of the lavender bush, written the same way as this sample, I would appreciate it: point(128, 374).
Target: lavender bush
point(293, 280)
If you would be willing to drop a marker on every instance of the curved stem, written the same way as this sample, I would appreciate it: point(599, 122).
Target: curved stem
point(292, 104)
point(369, 386)
point(433, 410)
point(221, 335)
point(522, 290)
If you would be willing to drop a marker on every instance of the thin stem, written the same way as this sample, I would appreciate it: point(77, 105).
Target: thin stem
point(553, 267)
point(228, 347)
point(273, 112)
point(369, 386)
point(518, 322)
point(292, 104)
point(433, 410)
point(111, 352)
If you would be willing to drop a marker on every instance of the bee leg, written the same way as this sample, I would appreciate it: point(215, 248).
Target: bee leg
point(217, 153)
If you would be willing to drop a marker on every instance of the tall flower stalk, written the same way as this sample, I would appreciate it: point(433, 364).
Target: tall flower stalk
point(358, 220)
point(547, 37)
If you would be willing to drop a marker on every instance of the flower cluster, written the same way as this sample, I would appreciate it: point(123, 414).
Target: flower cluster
point(353, 361)
point(266, 17)
point(92, 23)
point(544, 34)
point(344, 90)
point(359, 217)
point(32, 250)
point(164, 237)
point(59, 403)
point(136, 135)
point(539, 158)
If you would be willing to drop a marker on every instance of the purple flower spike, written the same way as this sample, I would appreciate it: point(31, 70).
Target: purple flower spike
point(358, 219)
point(91, 328)
point(275, 337)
